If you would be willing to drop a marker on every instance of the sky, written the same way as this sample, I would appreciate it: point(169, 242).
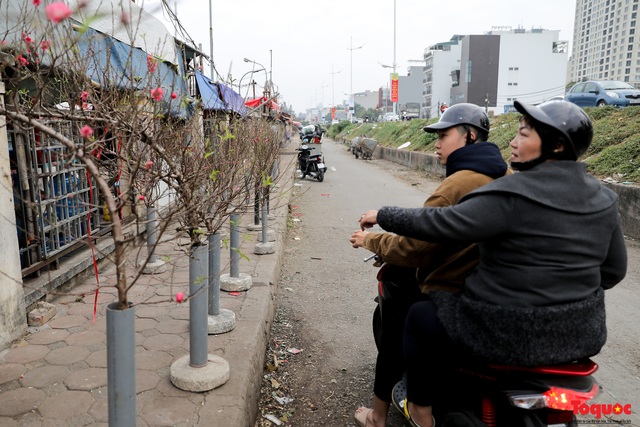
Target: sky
point(318, 52)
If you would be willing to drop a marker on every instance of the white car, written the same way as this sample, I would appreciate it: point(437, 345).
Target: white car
point(335, 121)
point(390, 117)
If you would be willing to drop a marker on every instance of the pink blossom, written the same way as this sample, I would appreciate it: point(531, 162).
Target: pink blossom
point(82, 3)
point(157, 93)
point(46, 44)
point(86, 131)
point(57, 12)
point(125, 18)
point(148, 164)
point(36, 3)
point(84, 95)
point(152, 64)
point(174, 95)
point(22, 60)
point(27, 38)
point(141, 197)
point(179, 297)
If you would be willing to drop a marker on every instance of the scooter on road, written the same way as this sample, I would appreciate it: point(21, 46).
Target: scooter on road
point(490, 395)
point(311, 164)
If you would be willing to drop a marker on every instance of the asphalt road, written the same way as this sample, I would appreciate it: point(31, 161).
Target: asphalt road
point(326, 295)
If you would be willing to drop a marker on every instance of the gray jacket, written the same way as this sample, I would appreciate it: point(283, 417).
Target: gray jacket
point(550, 241)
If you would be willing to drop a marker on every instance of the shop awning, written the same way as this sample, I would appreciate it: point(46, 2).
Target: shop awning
point(219, 97)
point(259, 102)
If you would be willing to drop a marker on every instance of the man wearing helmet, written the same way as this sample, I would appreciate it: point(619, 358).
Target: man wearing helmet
point(470, 163)
point(550, 243)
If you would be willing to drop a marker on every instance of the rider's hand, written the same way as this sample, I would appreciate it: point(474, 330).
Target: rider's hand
point(357, 238)
point(368, 219)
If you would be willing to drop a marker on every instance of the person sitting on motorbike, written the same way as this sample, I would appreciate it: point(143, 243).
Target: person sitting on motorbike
point(550, 243)
point(470, 163)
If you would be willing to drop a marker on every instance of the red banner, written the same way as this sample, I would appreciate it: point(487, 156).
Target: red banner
point(333, 112)
point(394, 87)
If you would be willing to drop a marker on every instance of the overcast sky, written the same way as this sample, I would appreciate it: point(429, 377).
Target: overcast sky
point(306, 44)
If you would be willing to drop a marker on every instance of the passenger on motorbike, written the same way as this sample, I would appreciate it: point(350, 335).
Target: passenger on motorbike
point(550, 243)
point(470, 162)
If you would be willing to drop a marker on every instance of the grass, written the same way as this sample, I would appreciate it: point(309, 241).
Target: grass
point(614, 152)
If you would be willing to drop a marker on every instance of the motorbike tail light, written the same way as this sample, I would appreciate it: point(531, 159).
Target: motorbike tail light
point(565, 399)
point(558, 398)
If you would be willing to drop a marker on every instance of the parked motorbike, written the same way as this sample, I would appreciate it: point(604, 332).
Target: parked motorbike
point(492, 395)
point(311, 164)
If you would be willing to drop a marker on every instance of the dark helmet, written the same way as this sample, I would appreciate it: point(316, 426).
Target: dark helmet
point(461, 114)
point(565, 117)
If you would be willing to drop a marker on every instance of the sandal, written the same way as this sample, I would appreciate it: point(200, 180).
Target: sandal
point(400, 401)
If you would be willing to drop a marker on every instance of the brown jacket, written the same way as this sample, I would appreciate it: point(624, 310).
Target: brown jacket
point(440, 265)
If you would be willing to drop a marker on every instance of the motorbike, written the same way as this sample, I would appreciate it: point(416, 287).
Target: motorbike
point(492, 395)
point(311, 164)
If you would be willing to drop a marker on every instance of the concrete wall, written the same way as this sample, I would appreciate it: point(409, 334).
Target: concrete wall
point(629, 196)
point(13, 320)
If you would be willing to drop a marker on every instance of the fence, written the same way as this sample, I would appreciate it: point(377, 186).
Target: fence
point(57, 204)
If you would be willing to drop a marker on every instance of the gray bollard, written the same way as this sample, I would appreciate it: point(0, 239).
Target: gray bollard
point(220, 320)
point(235, 281)
point(198, 371)
point(235, 245)
point(198, 266)
point(153, 265)
point(266, 246)
point(121, 366)
point(255, 226)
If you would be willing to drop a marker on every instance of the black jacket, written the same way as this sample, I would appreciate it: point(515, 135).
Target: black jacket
point(550, 241)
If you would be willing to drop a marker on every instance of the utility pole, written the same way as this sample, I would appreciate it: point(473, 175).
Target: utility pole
point(395, 107)
point(351, 97)
point(211, 40)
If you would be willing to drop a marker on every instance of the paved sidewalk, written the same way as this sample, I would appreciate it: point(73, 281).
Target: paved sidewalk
point(57, 376)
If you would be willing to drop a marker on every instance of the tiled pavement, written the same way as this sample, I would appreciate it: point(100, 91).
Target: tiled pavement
point(57, 374)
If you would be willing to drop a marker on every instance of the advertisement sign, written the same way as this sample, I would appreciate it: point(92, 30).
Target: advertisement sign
point(333, 112)
point(394, 87)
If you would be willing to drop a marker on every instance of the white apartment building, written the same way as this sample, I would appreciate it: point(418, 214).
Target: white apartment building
point(532, 67)
point(442, 62)
point(604, 41)
point(496, 68)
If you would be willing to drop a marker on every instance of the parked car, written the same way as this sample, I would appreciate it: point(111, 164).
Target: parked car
point(390, 117)
point(601, 93)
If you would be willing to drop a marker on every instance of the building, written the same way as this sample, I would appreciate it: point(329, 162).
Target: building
point(496, 68)
point(367, 99)
point(410, 88)
point(604, 45)
point(442, 62)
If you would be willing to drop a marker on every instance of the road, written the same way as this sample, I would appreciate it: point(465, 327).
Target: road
point(321, 335)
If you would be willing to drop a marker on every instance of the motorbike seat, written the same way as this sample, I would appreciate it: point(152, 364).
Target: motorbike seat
point(583, 367)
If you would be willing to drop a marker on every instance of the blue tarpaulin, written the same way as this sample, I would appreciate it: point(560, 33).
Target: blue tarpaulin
point(219, 97)
point(112, 63)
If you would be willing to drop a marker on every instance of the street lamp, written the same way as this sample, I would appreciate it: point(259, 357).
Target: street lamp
point(243, 76)
point(394, 52)
point(351, 49)
point(266, 84)
point(333, 103)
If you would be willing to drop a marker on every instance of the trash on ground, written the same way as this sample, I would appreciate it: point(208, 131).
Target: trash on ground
point(283, 400)
point(325, 194)
point(315, 257)
point(273, 419)
point(294, 350)
point(235, 293)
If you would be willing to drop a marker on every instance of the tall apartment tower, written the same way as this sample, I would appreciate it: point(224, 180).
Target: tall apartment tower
point(605, 43)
